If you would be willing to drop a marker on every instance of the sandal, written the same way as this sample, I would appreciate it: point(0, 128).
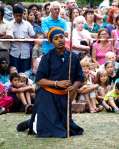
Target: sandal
point(2, 110)
point(99, 109)
point(93, 111)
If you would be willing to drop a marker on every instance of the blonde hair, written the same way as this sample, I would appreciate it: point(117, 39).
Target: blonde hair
point(85, 62)
point(108, 54)
point(79, 19)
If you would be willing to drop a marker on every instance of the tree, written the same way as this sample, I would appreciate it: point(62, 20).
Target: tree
point(80, 2)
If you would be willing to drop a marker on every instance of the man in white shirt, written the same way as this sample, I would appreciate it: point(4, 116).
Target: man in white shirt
point(5, 33)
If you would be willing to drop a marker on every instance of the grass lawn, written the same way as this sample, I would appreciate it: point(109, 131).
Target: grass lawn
point(101, 132)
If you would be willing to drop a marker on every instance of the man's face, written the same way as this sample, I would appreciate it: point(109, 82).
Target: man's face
point(59, 41)
point(71, 4)
point(55, 11)
point(4, 66)
point(18, 17)
point(34, 10)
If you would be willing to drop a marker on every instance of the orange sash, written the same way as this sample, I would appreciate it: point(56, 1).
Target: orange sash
point(54, 91)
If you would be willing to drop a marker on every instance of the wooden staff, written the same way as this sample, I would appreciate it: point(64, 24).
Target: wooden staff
point(69, 77)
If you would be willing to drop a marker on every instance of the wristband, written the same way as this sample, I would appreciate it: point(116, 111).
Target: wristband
point(56, 83)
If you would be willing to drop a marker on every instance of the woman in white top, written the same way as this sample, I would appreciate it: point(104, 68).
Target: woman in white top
point(79, 35)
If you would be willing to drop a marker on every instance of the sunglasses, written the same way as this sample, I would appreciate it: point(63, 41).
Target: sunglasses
point(3, 62)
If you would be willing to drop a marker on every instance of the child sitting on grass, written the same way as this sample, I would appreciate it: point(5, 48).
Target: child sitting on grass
point(20, 90)
point(112, 98)
point(104, 87)
point(113, 75)
point(88, 90)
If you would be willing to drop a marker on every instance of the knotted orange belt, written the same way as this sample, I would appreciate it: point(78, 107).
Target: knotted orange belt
point(54, 91)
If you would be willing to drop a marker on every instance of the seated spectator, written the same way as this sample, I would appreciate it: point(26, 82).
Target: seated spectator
point(112, 98)
point(115, 36)
point(112, 75)
point(21, 91)
point(79, 36)
point(111, 57)
point(104, 87)
point(73, 13)
point(6, 101)
point(88, 90)
point(90, 25)
point(112, 14)
point(101, 47)
point(100, 20)
point(4, 71)
point(24, 78)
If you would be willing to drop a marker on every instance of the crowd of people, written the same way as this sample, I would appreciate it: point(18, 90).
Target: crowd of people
point(94, 36)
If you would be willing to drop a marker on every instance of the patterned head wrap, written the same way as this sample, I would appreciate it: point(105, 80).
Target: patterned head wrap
point(54, 31)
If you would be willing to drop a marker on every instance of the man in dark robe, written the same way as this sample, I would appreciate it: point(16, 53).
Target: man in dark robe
point(49, 117)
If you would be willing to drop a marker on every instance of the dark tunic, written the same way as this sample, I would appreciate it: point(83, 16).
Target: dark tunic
point(51, 109)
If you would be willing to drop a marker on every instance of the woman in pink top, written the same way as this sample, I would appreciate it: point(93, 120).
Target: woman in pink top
point(115, 36)
point(101, 47)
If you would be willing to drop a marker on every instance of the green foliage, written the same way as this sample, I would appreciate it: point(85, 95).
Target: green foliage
point(83, 3)
point(80, 2)
point(11, 1)
point(33, 1)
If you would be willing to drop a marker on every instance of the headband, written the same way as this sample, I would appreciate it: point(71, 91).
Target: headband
point(54, 31)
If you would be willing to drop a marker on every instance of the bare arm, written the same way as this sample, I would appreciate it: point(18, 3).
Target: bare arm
point(94, 57)
point(81, 48)
point(4, 36)
point(46, 82)
point(21, 89)
point(86, 88)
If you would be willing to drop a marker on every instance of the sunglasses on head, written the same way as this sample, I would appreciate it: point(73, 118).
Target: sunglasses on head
point(3, 62)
